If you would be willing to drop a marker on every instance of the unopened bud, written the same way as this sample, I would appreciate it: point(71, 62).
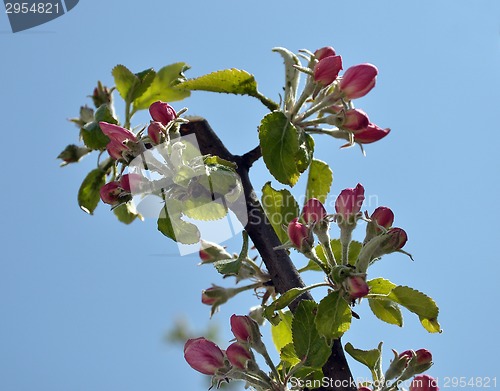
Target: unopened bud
point(300, 236)
point(204, 356)
point(358, 80)
point(238, 355)
point(212, 252)
point(356, 287)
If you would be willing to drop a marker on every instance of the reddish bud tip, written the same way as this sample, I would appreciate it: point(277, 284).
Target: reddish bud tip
point(162, 112)
point(324, 52)
point(358, 80)
point(299, 235)
point(356, 287)
point(314, 211)
point(238, 355)
point(370, 134)
point(203, 355)
point(349, 201)
point(326, 71)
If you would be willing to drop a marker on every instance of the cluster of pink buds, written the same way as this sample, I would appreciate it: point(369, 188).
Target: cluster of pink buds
point(409, 363)
point(237, 361)
point(331, 95)
point(381, 238)
point(163, 118)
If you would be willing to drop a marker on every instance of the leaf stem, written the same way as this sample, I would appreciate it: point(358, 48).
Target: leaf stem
point(269, 103)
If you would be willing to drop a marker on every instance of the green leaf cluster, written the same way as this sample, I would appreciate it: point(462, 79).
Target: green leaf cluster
point(385, 298)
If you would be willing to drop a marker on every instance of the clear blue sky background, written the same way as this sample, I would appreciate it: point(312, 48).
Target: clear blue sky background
point(85, 301)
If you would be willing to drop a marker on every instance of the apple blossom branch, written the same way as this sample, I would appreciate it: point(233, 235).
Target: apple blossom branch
point(283, 273)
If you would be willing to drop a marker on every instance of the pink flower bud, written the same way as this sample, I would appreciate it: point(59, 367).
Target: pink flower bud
point(212, 252)
point(111, 192)
point(327, 70)
point(355, 119)
point(370, 134)
point(203, 355)
point(358, 80)
point(356, 287)
point(397, 239)
point(364, 389)
point(238, 355)
point(116, 149)
point(245, 329)
point(324, 52)
point(155, 130)
point(348, 203)
point(383, 216)
point(299, 235)
point(117, 133)
point(207, 298)
point(423, 356)
point(314, 211)
point(424, 383)
point(162, 112)
point(408, 354)
point(131, 182)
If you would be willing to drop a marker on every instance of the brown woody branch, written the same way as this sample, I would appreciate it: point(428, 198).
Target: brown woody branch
point(279, 265)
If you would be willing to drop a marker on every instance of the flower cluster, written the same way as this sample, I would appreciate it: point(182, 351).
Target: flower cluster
point(237, 362)
point(124, 146)
point(330, 96)
point(348, 275)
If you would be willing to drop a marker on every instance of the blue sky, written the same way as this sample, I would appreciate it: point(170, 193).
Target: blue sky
point(85, 301)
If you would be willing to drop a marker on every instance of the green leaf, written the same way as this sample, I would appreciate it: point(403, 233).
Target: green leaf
point(203, 208)
point(281, 208)
point(163, 87)
point(229, 81)
point(282, 332)
point(431, 325)
point(91, 133)
point(228, 267)
point(415, 301)
point(380, 286)
point(309, 346)
point(281, 302)
point(306, 151)
point(334, 316)
point(387, 311)
point(172, 226)
point(319, 180)
point(288, 355)
point(146, 78)
point(126, 213)
point(88, 195)
point(279, 142)
point(370, 358)
point(125, 81)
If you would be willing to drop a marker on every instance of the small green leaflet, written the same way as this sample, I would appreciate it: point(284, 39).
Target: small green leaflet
point(132, 86)
point(172, 226)
point(319, 180)
point(282, 332)
point(163, 87)
point(88, 195)
point(387, 311)
point(91, 133)
point(370, 358)
point(281, 208)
